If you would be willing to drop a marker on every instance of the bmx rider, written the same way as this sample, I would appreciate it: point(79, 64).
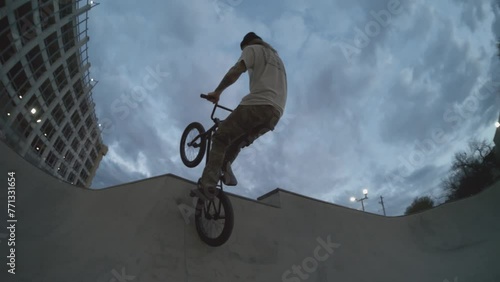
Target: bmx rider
point(257, 113)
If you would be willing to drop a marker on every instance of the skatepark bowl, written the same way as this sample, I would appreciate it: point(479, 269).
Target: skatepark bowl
point(144, 231)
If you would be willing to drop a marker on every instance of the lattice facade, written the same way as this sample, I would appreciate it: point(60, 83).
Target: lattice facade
point(47, 113)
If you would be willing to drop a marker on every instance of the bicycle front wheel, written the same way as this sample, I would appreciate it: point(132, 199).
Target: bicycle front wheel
point(193, 145)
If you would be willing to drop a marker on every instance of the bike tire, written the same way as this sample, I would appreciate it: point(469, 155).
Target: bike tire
point(228, 220)
point(195, 126)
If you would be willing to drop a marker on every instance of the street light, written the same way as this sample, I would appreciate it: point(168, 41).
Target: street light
point(365, 193)
point(497, 124)
point(33, 111)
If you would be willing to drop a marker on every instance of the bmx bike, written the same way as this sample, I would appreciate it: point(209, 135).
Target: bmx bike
point(214, 218)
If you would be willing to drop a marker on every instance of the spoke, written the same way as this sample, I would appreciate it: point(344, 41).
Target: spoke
point(211, 227)
point(191, 152)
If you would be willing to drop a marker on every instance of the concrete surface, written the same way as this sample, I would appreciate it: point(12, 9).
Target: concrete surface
point(140, 232)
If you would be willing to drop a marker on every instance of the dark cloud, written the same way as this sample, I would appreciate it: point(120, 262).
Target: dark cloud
point(110, 173)
point(473, 13)
point(348, 123)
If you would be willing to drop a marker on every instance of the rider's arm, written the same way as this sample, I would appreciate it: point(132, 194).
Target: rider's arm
point(231, 76)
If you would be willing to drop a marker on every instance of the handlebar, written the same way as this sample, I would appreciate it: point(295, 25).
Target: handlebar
point(204, 96)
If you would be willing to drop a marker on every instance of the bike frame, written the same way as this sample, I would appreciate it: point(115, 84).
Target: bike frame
point(208, 134)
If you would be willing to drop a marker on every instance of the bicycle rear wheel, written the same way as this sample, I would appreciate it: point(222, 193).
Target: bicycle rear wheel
point(192, 151)
point(214, 220)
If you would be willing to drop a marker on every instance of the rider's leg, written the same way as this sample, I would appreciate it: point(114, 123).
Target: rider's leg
point(246, 140)
point(233, 151)
point(240, 122)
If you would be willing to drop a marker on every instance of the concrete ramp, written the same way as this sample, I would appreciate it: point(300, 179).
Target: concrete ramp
point(144, 232)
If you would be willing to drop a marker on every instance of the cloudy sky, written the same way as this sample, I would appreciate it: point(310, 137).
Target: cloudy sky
point(382, 93)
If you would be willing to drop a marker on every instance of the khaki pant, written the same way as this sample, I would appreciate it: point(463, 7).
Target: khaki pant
point(243, 126)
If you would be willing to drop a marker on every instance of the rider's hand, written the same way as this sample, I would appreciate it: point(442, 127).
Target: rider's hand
point(213, 97)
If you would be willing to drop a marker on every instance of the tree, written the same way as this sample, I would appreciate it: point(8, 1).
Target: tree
point(471, 171)
point(420, 204)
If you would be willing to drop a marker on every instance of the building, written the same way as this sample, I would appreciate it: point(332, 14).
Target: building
point(47, 113)
point(496, 140)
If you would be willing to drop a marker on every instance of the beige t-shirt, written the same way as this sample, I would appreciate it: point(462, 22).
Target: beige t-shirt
point(268, 84)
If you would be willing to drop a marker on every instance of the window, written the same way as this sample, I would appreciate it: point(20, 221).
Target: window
point(68, 36)
point(84, 107)
point(72, 65)
point(88, 121)
point(35, 60)
point(38, 146)
point(93, 133)
point(75, 118)
point(59, 145)
point(82, 133)
point(65, 7)
point(67, 131)
point(71, 177)
point(22, 126)
point(88, 165)
point(60, 78)
point(78, 87)
point(48, 129)
point(47, 92)
point(7, 47)
point(19, 79)
point(88, 144)
point(82, 154)
point(84, 175)
point(58, 114)
point(93, 156)
point(52, 47)
point(62, 169)
point(75, 145)
point(68, 100)
point(46, 11)
point(68, 157)
point(7, 104)
point(76, 166)
point(25, 23)
point(51, 160)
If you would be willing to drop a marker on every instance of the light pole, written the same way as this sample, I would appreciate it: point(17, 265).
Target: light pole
point(382, 203)
point(93, 4)
point(365, 193)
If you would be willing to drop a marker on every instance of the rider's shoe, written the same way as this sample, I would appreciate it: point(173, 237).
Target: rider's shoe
point(228, 177)
point(203, 192)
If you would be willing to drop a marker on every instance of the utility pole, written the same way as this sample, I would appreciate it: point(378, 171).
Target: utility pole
point(382, 203)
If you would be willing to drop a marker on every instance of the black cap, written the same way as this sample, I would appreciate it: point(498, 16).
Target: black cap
point(249, 37)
